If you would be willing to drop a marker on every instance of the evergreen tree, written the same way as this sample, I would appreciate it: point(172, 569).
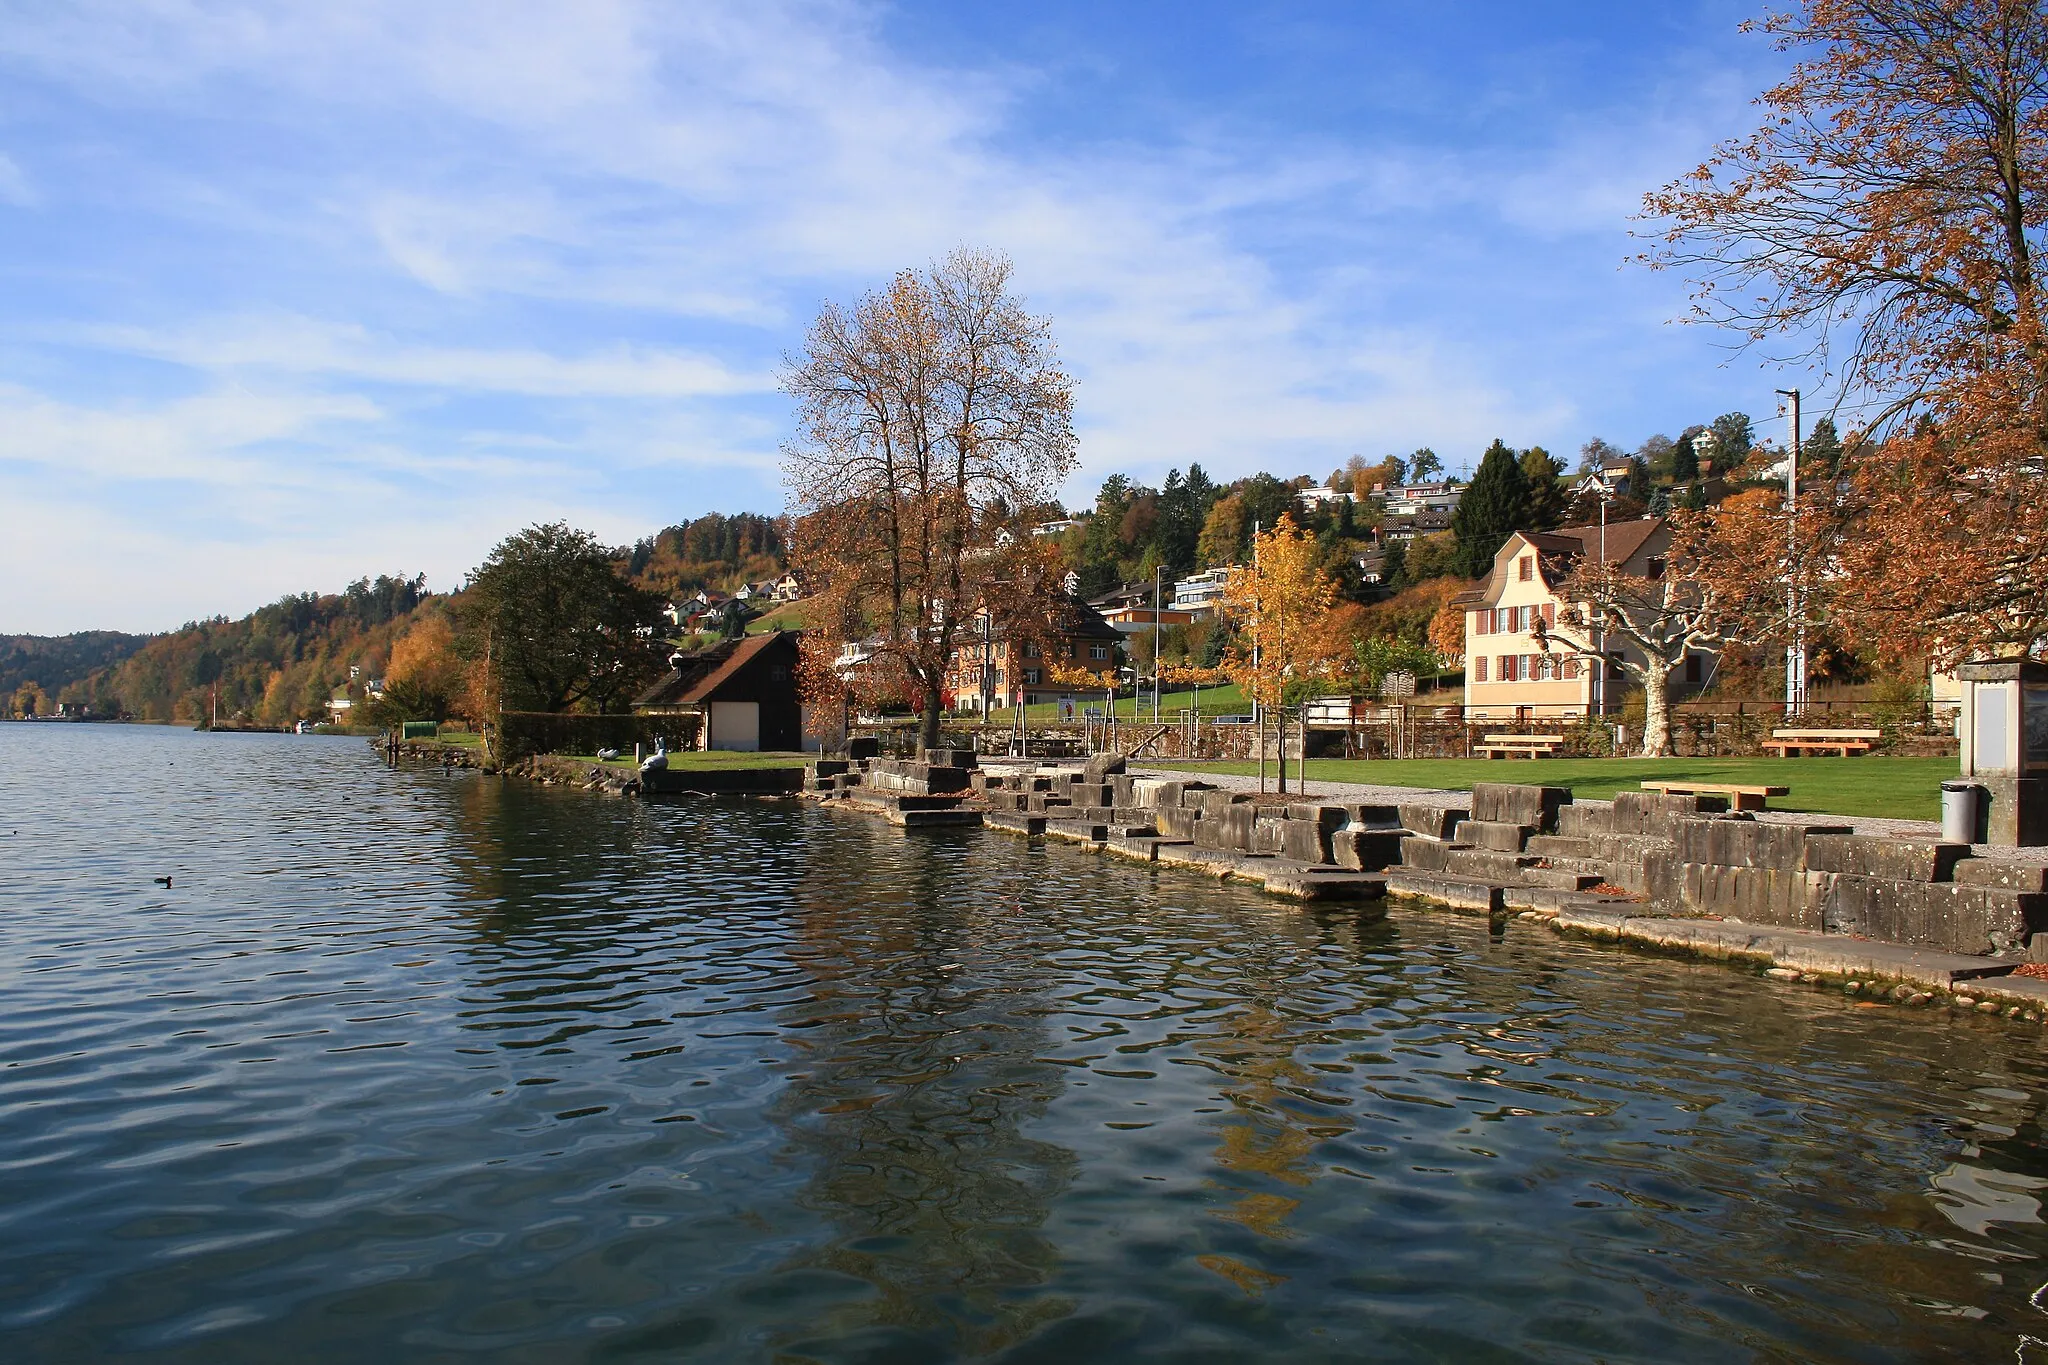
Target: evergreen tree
point(1822, 451)
point(1424, 465)
point(1685, 457)
point(1347, 524)
point(1733, 437)
point(1490, 509)
point(1394, 565)
point(1547, 497)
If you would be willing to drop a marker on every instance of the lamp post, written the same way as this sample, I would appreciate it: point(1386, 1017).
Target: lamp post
point(1795, 650)
point(1597, 486)
point(1158, 573)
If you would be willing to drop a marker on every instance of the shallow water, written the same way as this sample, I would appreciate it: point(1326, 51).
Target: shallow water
point(410, 1066)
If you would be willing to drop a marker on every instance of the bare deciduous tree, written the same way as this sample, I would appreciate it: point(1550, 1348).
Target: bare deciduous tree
point(931, 414)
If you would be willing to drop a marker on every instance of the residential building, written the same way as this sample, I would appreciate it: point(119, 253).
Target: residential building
point(1129, 608)
point(1507, 675)
point(1055, 528)
point(1313, 498)
point(1199, 595)
point(1414, 525)
point(1014, 668)
point(744, 690)
point(1407, 500)
point(788, 588)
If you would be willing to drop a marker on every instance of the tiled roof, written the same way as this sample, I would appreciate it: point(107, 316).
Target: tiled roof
point(696, 676)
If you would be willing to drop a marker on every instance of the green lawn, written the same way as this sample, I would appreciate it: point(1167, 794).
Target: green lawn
point(679, 760)
point(1901, 788)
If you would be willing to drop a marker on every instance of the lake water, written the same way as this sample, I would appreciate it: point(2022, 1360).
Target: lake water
point(410, 1066)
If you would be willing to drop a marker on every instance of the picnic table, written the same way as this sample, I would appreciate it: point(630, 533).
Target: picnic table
point(1740, 795)
point(1792, 743)
point(1527, 746)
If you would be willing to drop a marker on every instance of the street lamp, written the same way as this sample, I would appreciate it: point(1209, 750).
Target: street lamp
point(1597, 486)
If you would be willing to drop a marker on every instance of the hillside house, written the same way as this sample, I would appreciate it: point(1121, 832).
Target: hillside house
point(744, 691)
point(1129, 609)
point(1024, 668)
point(1200, 594)
point(1507, 677)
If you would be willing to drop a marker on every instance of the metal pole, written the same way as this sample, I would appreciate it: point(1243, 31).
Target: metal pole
point(1158, 570)
point(1795, 650)
point(1600, 639)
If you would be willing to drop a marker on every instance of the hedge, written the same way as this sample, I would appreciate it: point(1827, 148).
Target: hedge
point(524, 733)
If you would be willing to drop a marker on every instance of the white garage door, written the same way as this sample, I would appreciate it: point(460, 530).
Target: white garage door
point(736, 725)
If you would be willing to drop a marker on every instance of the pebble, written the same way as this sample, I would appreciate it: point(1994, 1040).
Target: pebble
point(1810, 979)
point(1902, 992)
point(1782, 973)
point(1988, 1007)
point(1919, 998)
point(1853, 986)
point(1965, 1002)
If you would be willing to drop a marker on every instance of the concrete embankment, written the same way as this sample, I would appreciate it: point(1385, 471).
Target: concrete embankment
point(1891, 919)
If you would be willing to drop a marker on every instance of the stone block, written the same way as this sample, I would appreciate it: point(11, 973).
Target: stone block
point(1305, 841)
point(829, 767)
point(863, 746)
point(1092, 793)
point(1510, 803)
point(1899, 860)
point(1015, 822)
point(1953, 917)
point(1102, 767)
point(1755, 895)
point(1654, 812)
point(1121, 787)
point(949, 758)
point(1042, 803)
point(1329, 817)
point(1461, 892)
point(1424, 854)
point(1311, 884)
point(1435, 821)
point(1486, 863)
point(1227, 828)
point(1176, 822)
point(1501, 838)
point(1372, 815)
point(1560, 845)
point(1366, 850)
point(1746, 843)
point(1582, 818)
point(1154, 792)
point(1213, 800)
point(1269, 833)
point(1996, 872)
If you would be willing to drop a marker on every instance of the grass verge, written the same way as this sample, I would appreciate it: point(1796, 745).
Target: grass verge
point(1895, 788)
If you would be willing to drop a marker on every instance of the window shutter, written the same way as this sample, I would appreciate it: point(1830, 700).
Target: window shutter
point(1550, 613)
point(1479, 668)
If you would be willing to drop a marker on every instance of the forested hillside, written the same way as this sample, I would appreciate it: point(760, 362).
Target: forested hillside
point(278, 665)
point(54, 662)
point(714, 551)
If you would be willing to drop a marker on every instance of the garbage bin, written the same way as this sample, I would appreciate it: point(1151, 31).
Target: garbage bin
point(1962, 811)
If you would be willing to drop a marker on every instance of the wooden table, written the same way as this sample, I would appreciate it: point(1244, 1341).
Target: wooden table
point(1739, 795)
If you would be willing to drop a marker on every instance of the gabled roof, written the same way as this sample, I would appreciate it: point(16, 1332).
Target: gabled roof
point(696, 676)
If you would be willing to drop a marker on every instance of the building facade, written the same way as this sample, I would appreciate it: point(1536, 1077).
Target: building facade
point(1022, 669)
point(1508, 675)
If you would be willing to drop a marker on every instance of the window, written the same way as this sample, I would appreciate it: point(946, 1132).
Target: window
point(1030, 650)
point(1098, 651)
point(1030, 677)
point(1479, 668)
point(1510, 666)
point(1527, 565)
point(1655, 568)
point(1692, 668)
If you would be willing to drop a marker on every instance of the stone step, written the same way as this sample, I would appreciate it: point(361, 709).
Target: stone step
point(1561, 878)
point(1497, 836)
point(1557, 898)
point(1487, 864)
point(1311, 882)
point(1466, 893)
point(1421, 853)
point(1017, 822)
point(1561, 846)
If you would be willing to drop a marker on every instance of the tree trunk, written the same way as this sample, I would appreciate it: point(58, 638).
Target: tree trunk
point(1656, 708)
point(928, 717)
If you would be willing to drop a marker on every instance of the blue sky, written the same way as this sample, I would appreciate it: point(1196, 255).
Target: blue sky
point(294, 293)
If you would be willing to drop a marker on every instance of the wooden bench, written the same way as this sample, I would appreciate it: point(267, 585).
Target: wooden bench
point(1792, 743)
point(1739, 796)
point(1528, 746)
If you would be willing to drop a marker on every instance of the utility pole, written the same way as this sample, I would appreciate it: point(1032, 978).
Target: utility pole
point(1258, 712)
point(1158, 571)
point(1795, 651)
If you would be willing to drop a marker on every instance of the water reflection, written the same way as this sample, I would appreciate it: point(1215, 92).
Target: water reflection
point(917, 1075)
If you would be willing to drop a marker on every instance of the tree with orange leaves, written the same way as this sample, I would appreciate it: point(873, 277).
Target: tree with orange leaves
point(1889, 216)
point(1280, 602)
